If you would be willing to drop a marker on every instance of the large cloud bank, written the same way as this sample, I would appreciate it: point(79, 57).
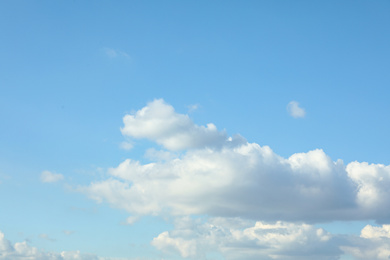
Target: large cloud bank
point(223, 176)
point(235, 238)
point(239, 239)
point(255, 201)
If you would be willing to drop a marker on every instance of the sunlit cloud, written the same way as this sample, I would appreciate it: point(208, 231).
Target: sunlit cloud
point(259, 205)
point(295, 110)
point(222, 176)
point(47, 176)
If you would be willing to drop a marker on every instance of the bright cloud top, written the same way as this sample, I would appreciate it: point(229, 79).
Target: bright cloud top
point(295, 110)
point(160, 123)
point(47, 176)
point(126, 145)
point(224, 177)
point(374, 243)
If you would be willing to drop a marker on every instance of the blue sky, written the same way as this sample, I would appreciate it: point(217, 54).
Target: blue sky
point(140, 130)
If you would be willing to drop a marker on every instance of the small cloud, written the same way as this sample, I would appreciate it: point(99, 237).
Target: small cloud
point(192, 108)
point(4, 177)
point(131, 220)
point(68, 232)
point(46, 237)
point(47, 176)
point(126, 145)
point(112, 53)
point(159, 122)
point(295, 110)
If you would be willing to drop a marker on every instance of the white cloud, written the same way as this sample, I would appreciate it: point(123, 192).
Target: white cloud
point(225, 182)
point(229, 179)
point(224, 177)
point(373, 182)
point(23, 251)
point(295, 110)
point(47, 176)
point(131, 220)
point(192, 108)
point(126, 145)
point(234, 183)
point(236, 238)
point(239, 239)
point(373, 244)
point(68, 232)
point(376, 232)
point(46, 237)
point(112, 53)
point(159, 122)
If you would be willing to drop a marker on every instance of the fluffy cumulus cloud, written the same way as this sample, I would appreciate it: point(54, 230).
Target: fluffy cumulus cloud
point(246, 180)
point(235, 238)
point(373, 182)
point(23, 251)
point(295, 110)
point(202, 171)
point(159, 122)
point(47, 176)
point(374, 243)
point(226, 176)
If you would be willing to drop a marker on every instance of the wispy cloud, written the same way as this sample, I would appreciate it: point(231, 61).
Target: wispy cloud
point(68, 232)
point(46, 237)
point(113, 53)
point(192, 108)
point(126, 145)
point(47, 176)
point(295, 110)
point(4, 177)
